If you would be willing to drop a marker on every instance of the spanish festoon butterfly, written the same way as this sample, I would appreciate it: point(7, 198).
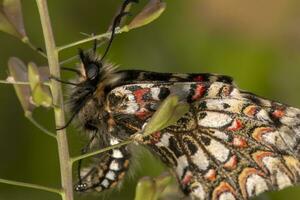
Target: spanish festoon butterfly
point(231, 144)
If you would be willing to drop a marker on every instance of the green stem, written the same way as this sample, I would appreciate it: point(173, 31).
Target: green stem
point(56, 89)
point(14, 83)
point(32, 186)
point(33, 47)
point(20, 83)
point(100, 151)
point(98, 37)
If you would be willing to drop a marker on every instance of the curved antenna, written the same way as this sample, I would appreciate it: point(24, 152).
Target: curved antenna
point(116, 23)
point(69, 121)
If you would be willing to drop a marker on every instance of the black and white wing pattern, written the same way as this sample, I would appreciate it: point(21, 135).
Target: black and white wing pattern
point(230, 145)
point(106, 170)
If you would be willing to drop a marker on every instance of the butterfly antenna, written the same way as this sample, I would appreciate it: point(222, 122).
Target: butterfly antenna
point(95, 45)
point(69, 121)
point(116, 23)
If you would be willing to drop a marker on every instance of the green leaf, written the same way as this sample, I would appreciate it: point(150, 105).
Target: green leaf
point(11, 19)
point(145, 189)
point(150, 12)
point(161, 182)
point(40, 95)
point(18, 72)
point(168, 113)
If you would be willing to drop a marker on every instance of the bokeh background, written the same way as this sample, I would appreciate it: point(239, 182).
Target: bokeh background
point(256, 42)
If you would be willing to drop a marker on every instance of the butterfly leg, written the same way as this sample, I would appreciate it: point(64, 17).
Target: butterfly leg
point(108, 170)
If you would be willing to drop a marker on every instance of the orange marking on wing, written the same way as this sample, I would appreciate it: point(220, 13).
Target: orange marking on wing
point(126, 163)
point(221, 188)
point(236, 125)
point(258, 132)
point(121, 175)
point(239, 142)
point(250, 110)
point(278, 113)
point(113, 184)
point(243, 179)
point(211, 175)
point(231, 164)
point(258, 156)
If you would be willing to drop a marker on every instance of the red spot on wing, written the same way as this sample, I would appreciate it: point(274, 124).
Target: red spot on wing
point(139, 96)
point(198, 78)
point(278, 113)
point(236, 125)
point(239, 142)
point(231, 164)
point(199, 91)
point(187, 178)
point(139, 93)
point(155, 137)
point(211, 175)
point(143, 114)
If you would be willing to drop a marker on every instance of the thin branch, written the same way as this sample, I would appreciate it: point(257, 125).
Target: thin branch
point(39, 126)
point(32, 186)
point(96, 37)
point(56, 89)
point(20, 83)
point(77, 158)
point(14, 83)
point(33, 47)
point(100, 43)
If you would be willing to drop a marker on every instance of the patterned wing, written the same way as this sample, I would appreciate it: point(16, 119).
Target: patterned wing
point(106, 171)
point(231, 145)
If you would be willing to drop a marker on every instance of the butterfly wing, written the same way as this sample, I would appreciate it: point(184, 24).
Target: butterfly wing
point(106, 171)
point(230, 145)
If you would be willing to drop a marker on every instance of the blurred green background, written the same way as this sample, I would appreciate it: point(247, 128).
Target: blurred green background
point(256, 42)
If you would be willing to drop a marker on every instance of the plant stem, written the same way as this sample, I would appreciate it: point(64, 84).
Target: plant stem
point(14, 83)
point(100, 36)
point(100, 151)
point(29, 185)
point(21, 83)
point(33, 47)
point(56, 89)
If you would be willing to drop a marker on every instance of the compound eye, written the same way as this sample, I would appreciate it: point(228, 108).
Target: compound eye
point(92, 72)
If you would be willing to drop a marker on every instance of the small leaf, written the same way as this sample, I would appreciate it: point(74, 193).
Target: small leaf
point(7, 27)
point(150, 12)
point(11, 18)
point(40, 95)
point(169, 112)
point(18, 72)
point(162, 182)
point(145, 189)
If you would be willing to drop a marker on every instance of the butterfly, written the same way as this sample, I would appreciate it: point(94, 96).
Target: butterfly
point(231, 144)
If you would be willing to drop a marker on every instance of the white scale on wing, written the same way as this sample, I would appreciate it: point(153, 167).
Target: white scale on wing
point(182, 164)
point(226, 196)
point(218, 150)
point(275, 167)
point(255, 185)
point(214, 120)
point(200, 159)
